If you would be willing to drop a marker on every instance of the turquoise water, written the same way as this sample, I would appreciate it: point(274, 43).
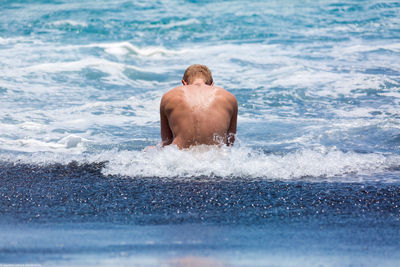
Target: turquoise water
point(316, 162)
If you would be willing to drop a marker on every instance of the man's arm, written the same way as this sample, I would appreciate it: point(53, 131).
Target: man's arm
point(166, 133)
point(232, 127)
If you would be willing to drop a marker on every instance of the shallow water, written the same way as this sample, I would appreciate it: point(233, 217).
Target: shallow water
point(314, 176)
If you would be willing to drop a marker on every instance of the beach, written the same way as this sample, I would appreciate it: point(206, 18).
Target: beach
point(313, 178)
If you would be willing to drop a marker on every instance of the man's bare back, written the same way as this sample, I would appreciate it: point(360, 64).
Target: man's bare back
point(197, 113)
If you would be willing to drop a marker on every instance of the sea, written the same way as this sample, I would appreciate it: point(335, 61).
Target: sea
point(312, 180)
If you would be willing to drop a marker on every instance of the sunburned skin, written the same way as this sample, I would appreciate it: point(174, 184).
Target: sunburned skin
point(198, 114)
point(199, 99)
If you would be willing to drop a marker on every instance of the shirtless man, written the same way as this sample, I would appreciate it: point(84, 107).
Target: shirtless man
point(198, 112)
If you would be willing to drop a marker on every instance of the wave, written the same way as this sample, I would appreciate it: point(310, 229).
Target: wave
point(204, 162)
point(68, 23)
point(245, 163)
point(124, 48)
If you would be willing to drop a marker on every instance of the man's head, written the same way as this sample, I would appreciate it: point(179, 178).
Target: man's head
point(197, 71)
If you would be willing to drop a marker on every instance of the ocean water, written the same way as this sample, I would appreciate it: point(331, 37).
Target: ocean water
point(313, 179)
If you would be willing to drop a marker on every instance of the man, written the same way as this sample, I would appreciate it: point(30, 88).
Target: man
point(198, 113)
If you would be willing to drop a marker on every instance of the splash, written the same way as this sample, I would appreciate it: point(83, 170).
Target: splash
point(244, 163)
point(209, 162)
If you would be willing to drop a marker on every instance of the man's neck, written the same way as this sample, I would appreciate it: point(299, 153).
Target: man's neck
point(198, 81)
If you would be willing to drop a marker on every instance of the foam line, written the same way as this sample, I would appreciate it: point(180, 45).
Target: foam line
point(123, 48)
point(245, 162)
point(228, 163)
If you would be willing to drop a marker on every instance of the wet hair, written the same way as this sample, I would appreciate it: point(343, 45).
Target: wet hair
point(197, 71)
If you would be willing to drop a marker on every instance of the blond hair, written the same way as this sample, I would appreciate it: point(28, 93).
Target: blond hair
point(197, 71)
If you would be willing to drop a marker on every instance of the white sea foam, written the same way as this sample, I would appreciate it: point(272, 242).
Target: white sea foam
point(70, 144)
point(123, 48)
point(245, 162)
point(49, 107)
point(113, 70)
point(73, 65)
point(228, 163)
point(258, 64)
point(268, 65)
point(69, 22)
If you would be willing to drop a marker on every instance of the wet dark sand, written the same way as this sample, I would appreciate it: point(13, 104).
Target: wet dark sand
point(62, 214)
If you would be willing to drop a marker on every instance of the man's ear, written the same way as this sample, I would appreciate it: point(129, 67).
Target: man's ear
point(184, 82)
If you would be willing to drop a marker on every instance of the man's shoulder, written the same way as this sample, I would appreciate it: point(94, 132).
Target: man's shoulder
point(226, 94)
point(172, 95)
point(173, 92)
